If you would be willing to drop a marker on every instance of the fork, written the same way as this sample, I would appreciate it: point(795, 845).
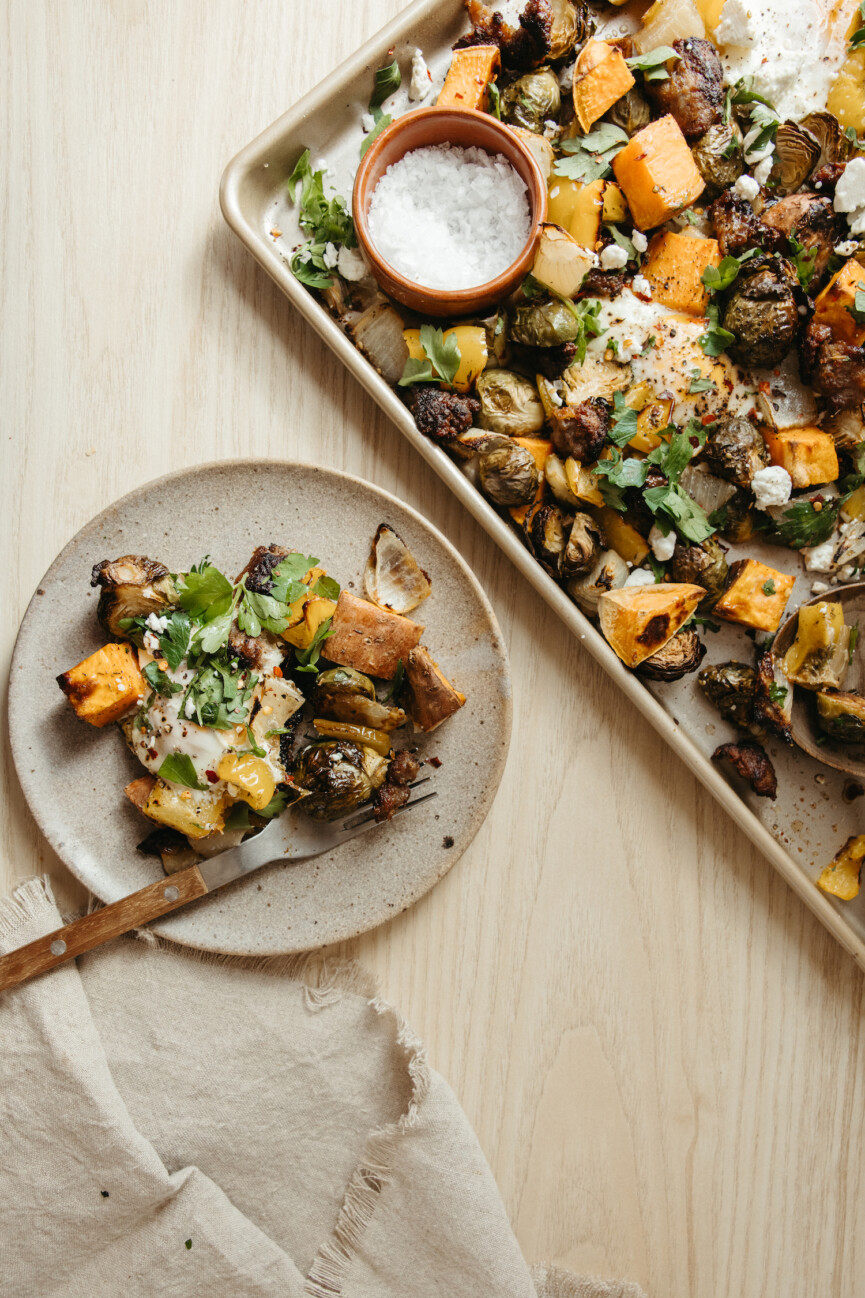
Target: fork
point(290, 837)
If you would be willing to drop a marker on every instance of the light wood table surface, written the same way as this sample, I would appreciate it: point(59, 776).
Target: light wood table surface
point(660, 1048)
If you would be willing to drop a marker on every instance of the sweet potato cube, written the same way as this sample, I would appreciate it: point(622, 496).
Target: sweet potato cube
point(657, 172)
point(840, 878)
point(639, 620)
point(105, 686)
point(468, 81)
point(602, 78)
point(832, 307)
point(433, 698)
point(674, 268)
point(755, 595)
point(808, 454)
point(369, 638)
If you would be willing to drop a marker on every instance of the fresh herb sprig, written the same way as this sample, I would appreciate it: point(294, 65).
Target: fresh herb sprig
point(589, 156)
point(803, 258)
point(327, 223)
point(440, 362)
point(654, 64)
point(716, 339)
point(388, 80)
point(857, 40)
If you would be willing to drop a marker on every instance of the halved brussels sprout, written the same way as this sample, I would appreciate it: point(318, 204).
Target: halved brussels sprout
point(730, 687)
point(132, 586)
point(735, 450)
point(508, 475)
point(762, 312)
point(773, 698)
point(583, 546)
point(718, 155)
point(631, 113)
point(334, 776)
point(609, 572)
point(680, 655)
point(842, 716)
point(548, 534)
point(829, 134)
point(343, 694)
point(543, 324)
point(795, 157)
point(572, 24)
point(531, 100)
point(509, 404)
point(701, 565)
point(736, 520)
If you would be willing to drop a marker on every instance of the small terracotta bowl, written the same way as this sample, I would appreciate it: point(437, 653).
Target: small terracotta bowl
point(464, 127)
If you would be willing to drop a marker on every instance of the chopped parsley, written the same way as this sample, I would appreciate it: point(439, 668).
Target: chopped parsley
point(857, 310)
point(159, 682)
point(589, 156)
point(803, 259)
point(800, 524)
point(323, 221)
point(654, 64)
point(441, 359)
point(699, 384)
point(717, 278)
point(623, 425)
point(587, 313)
point(769, 587)
point(716, 339)
point(777, 693)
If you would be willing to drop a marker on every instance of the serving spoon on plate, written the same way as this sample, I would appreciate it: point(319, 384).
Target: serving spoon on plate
point(849, 758)
point(289, 837)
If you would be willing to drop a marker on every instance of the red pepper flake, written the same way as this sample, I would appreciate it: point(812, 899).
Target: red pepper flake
point(764, 386)
point(212, 776)
point(434, 761)
point(152, 754)
point(695, 442)
point(277, 671)
point(707, 419)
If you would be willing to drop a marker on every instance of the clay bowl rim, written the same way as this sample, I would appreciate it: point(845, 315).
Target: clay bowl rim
point(419, 297)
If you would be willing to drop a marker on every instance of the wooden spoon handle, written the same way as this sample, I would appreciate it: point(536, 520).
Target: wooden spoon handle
point(92, 930)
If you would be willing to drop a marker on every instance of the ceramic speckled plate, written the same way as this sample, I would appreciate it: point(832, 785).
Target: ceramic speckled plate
point(73, 776)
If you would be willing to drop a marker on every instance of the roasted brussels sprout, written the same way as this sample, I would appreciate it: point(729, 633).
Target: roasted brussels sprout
point(735, 450)
point(171, 847)
point(730, 687)
point(531, 100)
point(583, 546)
point(773, 699)
point(609, 573)
point(827, 131)
point(343, 694)
point(572, 25)
point(718, 155)
point(842, 716)
point(543, 324)
point(508, 475)
point(701, 565)
point(333, 774)
point(797, 153)
point(631, 113)
point(509, 404)
point(736, 520)
point(548, 534)
point(132, 586)
point(680, 655)
point(762, 312)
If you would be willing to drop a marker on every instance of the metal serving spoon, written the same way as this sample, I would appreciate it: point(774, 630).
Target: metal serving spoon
point(849, 758)
point(290, 837)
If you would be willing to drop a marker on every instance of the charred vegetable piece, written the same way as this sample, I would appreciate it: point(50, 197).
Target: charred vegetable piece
point(561, 263)
point(544, 324)
point(432, 698)
point(797, 152)
point(762, 312)
point(396, 790)
point(193, 812)
point(842, 716)
point(817, 659)
point(171, 847)
point(814, 223)
point(280, 701)
point(840, 878)
point(639, 620)
point(703, 565)
point(773, 698)
point(532, 100)
point(751, 762)
point(105, 686)
point(521, 47)
point(333, 774)
point(836, 305)
point(548, 534)
point(735, 450)
point(730, 688)
point(718, 155)
point(610, 572)
point(580, 431)
point(259, 571)
point(572, 24)
point(392, 578)
point(680, 655)
point(341, 695)
point(508, 475)
point(826, 129)
point(364, 736)
point(582, 547)
point(509, 404)
point(692, 92)
point(441, 416)
point(631, 113)
point(737, 227)
point(736, 520)
point(132, 586)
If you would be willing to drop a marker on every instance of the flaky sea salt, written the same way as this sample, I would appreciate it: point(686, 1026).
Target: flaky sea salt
point(450, 218)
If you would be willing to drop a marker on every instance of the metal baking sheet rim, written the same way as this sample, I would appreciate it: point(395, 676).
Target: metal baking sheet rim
point(249, 158)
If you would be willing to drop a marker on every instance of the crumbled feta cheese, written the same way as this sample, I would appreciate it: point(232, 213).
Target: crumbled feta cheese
point(552, 130)
point(351, 264)
point(322, 165)
point(847, 248)
point(747, 186)
point(421, 77)
point(850, 195)
point(818, 558)
point(156, 623)
point(613, 257)
point(819, 588)
point(330, 256)
point(847, 573)
point(662, 546)
point(771, 486)
point(367, 122)
point(763, 168)
point(641, 286)
point(736, 27)
point(566, 77)
point(189, 708)
point(151, 644)
point(640, 577)
point(639, 240)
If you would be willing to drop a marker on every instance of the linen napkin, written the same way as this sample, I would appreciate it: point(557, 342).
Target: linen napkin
point(177, 1125)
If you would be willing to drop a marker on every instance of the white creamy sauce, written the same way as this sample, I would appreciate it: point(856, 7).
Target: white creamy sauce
point(785, 45)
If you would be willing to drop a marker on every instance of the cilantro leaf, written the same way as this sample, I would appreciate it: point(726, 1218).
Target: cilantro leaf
point(589, 156)
point(327, 588)
point(174, 640)
point(286, 578)
point(623, 425)
point(717, 278)
point(324, 221)
point(416, 371)
point(178, 769)
point(699, 384)
point(205, 592)
point(630, 472)
point(800, 524)
point(654, 64)
point(159, 681)
point(803, 259)
point(586, 312)
point(307, 658)
point(857, 310)
point(442, 361)
point(684, 513)
point(716, 339)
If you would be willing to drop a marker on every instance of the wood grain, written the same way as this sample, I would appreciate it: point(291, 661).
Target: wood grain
point(661, 1050)
point(73, 939)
